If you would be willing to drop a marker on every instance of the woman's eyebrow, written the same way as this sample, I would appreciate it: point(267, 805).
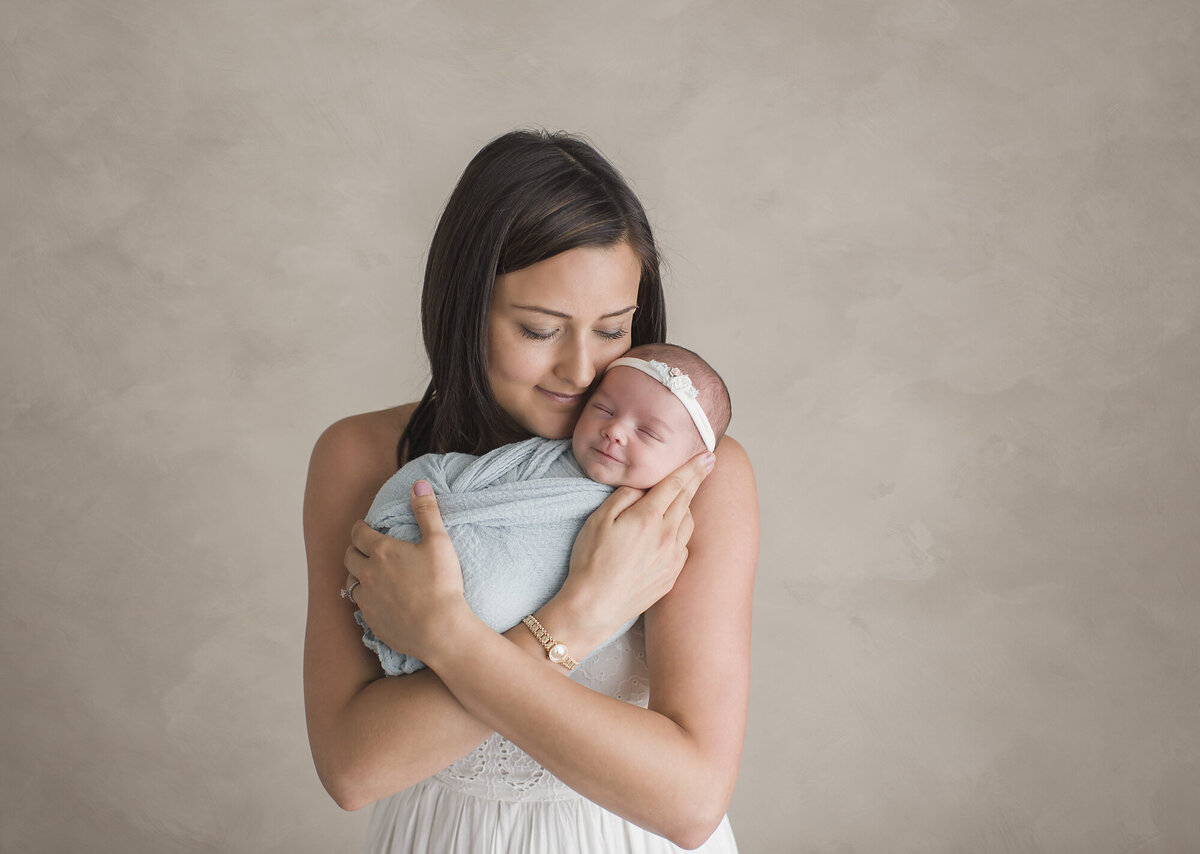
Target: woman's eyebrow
point(554, 313)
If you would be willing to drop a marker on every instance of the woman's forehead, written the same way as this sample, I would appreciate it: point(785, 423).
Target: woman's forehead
point(586, 282)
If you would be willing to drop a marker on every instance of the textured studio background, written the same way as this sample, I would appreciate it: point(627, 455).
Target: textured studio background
point(945, 253)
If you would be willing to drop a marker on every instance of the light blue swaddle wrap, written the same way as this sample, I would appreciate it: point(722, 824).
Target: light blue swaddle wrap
point(512, 514)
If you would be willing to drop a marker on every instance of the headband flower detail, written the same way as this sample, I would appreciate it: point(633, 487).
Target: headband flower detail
point(674, 379)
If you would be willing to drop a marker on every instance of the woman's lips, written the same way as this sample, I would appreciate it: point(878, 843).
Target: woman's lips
point(565, 399)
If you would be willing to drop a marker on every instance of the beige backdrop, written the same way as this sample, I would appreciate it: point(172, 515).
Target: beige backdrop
point(945, 254)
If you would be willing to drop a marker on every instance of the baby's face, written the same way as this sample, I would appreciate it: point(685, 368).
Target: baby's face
point(633, 431)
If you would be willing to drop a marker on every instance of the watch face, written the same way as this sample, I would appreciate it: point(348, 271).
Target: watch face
point(557, 653)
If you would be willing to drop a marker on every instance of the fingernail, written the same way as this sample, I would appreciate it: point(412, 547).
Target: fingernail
point(710, 460)
point(422, 487)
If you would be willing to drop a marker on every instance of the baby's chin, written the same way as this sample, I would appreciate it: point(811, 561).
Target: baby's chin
point(602, 475)
point(605, 475)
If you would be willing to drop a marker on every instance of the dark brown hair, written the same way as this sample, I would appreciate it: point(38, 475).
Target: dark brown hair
point(525, 197)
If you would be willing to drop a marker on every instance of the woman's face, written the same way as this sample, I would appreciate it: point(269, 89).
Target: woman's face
point(553, 327)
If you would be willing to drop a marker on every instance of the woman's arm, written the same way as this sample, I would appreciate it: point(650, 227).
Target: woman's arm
point(670, 768)
point(369, 735)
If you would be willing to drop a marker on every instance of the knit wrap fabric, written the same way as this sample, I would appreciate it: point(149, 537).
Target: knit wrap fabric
point(512, 514)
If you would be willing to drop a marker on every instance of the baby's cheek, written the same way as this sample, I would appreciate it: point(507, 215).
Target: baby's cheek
point(578, 445)
point(648, 473)
point(672, 461)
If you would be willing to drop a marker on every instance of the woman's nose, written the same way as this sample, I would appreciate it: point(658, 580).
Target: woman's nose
point(576, 364)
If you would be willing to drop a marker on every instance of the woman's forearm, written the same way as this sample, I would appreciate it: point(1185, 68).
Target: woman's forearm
point(635, 762)
point(373, 736)
point(393, 732)
point(638, 763)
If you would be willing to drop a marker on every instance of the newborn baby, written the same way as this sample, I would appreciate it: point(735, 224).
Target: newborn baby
point(513, 513)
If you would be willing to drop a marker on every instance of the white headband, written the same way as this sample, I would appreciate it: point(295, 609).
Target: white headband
point(680, 385)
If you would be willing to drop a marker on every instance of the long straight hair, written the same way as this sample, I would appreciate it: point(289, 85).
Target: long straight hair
point(526, 196)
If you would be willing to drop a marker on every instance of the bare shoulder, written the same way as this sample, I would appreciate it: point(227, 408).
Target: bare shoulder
point(725, 509)
point(730, 485)
point(352, 458)
point(364, 441)
point(730, 452)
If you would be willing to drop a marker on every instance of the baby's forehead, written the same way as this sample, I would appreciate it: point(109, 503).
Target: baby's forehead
point(626, 384)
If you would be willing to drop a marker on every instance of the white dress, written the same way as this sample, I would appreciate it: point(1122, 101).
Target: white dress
point(498, 800)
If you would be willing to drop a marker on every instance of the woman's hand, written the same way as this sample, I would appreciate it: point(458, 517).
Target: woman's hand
point(631, 549)
point(408, 592)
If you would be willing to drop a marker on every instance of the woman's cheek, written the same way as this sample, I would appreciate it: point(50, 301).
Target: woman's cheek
point(618, 348)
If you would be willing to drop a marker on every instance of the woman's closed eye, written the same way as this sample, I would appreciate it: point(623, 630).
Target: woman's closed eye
point(538, 334)
point(612, 335)
point(547, 334)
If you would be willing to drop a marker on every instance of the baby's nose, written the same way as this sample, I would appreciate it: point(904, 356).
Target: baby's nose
point(614, 433)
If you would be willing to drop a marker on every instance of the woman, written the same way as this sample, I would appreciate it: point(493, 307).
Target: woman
point(542, 270)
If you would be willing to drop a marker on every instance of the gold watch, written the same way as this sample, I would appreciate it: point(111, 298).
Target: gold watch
point(557, 652)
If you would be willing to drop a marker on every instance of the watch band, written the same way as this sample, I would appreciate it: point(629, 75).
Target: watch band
point(557, 652)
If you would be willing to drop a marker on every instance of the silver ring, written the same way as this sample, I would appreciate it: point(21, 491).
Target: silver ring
point(348, 593)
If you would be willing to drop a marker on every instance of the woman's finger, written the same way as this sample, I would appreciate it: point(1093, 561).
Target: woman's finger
point(683, 534)
point(364, 538)
point(680, 484)
point(349, 587)
point(680, 507)
point(355, 562)
point(622, 498)
point(425, 509)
